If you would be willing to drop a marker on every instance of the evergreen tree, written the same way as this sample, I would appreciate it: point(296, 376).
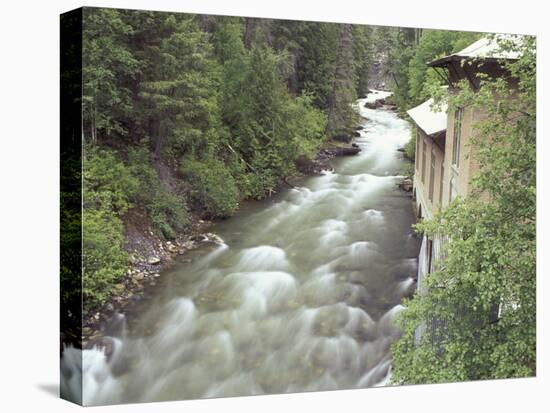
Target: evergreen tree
point(340, 114)
point(179, 100)
point(362, 58)
point(108, 68)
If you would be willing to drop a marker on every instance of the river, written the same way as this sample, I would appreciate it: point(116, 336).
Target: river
point(301, 296)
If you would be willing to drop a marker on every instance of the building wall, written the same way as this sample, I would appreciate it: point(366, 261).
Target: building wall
point(426, 147)
point(468, 166)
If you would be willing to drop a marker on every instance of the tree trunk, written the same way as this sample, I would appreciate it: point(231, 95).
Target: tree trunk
point(156, 138)
point(93, 128)
point(249, 31)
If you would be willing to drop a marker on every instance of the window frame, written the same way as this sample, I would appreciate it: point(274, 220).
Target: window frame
point(457, 134)
point(431, 183)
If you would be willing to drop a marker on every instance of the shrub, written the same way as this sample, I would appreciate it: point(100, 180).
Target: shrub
point(167, 210)
point(108, 187)
point(103, 257)
point(214, 190)
point(410, 146)
point(108, 183)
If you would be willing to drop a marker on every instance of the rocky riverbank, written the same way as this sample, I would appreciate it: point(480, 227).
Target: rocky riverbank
point(150, 256)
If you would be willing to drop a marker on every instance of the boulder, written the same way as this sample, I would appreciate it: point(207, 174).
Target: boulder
point(199, 238)
point(374, 105)
point(188, 245)
point(406, 185)
point(347, 151)
point(208, 237)
point(153, 260)
point(216, 239)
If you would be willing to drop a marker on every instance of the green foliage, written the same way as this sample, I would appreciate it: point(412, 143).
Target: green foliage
point(363, 51)
point(270, 129)
point(491, 250)
point(108, 186)
point(409, 51)
point(433, 44)
point(104, 260)
point(305, 126)
point(167, 209)
point(341, 117)
point(169, 213)
point(312, 49)
point(214, 190)
point(410, 147)
point(179, 96)
point(107, 68)
point(107, 183)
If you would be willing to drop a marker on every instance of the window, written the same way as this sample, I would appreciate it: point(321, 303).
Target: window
point(456, 136)
point(430, 254)
point(423, 160)
point(441, 176)
point(432, 176)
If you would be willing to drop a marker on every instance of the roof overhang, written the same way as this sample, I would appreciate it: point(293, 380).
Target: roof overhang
point(486, 49)
point(445, 61)
point(432, 122)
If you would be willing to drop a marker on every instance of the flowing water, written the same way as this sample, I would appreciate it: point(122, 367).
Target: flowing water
point(301, 296)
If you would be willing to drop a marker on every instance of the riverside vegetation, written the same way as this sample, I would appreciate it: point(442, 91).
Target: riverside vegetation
point(491, 248)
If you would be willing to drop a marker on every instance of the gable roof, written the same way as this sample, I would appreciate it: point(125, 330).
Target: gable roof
point(430, 121)
point(486, 48)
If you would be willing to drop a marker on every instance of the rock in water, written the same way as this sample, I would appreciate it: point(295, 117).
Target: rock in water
point(199, 238)
point(153, 260)
point(347, 151)
point(215, 238)
point(406, 185)
point(374, 105)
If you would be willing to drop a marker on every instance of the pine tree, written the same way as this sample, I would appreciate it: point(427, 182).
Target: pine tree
point(340, 112)
point(363, 55)
point(177, 98)
point(108, 68)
